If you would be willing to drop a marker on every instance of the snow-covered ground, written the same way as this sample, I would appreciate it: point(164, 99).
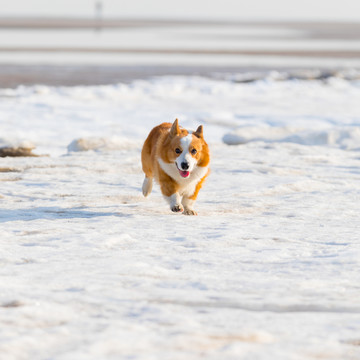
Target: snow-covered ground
point(268, 270)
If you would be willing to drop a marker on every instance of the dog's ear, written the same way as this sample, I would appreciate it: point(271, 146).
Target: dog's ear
point(199, 132)
point(175, 130)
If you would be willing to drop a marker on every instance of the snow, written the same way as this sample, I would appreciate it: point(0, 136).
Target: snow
point(268, 270)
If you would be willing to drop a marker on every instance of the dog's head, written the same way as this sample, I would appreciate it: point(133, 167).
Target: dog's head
point(187, 150)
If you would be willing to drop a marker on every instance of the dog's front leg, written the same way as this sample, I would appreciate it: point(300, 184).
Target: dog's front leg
point(169, 189)
point(175, 202)
point(188, 206)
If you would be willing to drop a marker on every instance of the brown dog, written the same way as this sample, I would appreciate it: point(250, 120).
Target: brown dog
point(179, 162)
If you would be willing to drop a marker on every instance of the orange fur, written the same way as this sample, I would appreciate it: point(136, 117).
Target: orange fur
point(162, 161)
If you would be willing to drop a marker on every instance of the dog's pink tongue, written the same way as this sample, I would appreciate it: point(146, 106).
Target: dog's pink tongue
point(184, 174)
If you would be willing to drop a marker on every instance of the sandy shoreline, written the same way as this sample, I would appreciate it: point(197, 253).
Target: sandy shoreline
point(297, 53)
point(59, 75)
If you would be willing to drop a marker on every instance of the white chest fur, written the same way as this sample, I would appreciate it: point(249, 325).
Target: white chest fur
point(187, 185)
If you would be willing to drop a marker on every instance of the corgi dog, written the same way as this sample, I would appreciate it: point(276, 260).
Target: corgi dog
point(179, 161)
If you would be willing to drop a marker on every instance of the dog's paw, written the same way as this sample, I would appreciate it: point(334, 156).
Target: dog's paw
point(189, 212)
point(177, 208)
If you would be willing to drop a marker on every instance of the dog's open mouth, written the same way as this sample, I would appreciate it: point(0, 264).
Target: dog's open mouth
point(183, 173)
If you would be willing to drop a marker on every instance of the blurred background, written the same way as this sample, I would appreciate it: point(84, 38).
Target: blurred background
point(64, 42)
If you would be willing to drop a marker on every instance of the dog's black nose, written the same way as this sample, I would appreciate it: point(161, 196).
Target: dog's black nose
point(184, 165)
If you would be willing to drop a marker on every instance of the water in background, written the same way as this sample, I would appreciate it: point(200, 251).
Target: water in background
point(177, 43)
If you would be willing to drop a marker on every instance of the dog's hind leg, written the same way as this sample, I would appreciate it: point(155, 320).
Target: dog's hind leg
point(147, 168)
point(147, 186)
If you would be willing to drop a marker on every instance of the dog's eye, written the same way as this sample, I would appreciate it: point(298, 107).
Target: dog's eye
point(178, 151)
point(193, 151)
